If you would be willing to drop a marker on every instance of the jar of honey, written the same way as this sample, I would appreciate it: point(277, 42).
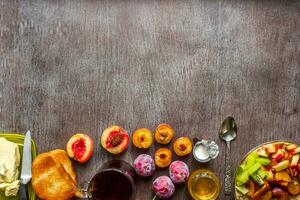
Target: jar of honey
point(203, 185)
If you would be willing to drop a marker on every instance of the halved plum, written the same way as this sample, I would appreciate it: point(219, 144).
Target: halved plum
point(80, 147)
point(142, 138)
point(163, 157)
point(114, 139)
point(164, 134)
point(182, 146)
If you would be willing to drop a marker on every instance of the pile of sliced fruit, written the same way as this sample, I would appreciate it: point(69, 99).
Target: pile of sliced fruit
point(271, 171)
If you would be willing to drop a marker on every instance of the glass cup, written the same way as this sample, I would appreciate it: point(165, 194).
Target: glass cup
point(203, 184)
point(113, 181)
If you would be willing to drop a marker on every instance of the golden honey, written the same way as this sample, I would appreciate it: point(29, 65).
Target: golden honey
point(203, 185)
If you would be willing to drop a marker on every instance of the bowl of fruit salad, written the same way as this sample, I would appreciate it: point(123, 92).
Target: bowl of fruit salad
point(269, 171)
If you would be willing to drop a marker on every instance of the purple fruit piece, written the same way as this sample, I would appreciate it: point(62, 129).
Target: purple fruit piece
point(144, 165)
point(179, 172)
point(163, 187)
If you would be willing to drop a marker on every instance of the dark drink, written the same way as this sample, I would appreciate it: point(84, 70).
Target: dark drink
point(111, 185)
point(114, 181)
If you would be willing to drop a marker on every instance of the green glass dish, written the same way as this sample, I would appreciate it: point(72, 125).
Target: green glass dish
point(19, 140)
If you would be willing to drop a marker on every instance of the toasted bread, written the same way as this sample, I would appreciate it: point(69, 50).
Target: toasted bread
point(53, 177)
point(62, 157)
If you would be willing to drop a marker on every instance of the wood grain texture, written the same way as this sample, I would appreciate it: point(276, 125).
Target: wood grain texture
point(80, 66)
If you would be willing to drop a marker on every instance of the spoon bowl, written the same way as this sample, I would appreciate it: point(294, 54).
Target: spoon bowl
point(228, 129)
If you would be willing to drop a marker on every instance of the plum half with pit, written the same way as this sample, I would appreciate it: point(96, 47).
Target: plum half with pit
point(182, 146)
point(164, 133)
point(163, 187)
point(144, 165)
point(114, 139)
point(80, 147)
point(179, 172)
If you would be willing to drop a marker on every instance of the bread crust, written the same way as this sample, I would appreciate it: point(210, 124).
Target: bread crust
point(53, 177)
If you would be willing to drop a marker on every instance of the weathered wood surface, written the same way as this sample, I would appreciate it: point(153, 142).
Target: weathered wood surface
point(80, 66)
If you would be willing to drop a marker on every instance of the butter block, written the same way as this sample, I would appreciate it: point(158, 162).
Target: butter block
point(10, 189)
point(9, 163)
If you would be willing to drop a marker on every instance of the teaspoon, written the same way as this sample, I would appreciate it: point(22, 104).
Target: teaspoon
point(227, 133)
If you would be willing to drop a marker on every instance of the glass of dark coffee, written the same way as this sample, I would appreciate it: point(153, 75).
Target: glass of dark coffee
point(113, 181)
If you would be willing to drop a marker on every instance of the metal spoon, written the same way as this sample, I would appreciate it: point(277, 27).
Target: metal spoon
point(227, 133)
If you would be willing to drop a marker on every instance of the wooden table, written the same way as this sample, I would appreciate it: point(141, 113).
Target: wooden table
point(68, 67)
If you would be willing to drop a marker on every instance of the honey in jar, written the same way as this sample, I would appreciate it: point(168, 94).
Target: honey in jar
point(203, 185)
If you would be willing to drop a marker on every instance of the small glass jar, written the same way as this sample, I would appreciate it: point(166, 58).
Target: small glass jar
point(203, 184)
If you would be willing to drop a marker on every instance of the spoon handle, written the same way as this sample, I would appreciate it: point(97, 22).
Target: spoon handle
point(228, 181)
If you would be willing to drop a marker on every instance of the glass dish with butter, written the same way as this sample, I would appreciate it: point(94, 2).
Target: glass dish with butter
point(10, 165)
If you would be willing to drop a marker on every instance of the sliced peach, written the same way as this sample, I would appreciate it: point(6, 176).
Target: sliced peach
point(265, 188)
point(284, 184)
point(250, 185)
point(293, 189)
point(270, 148)
point(164, 134)
point(163, 157)
point(182, 146)
point(114, 139)
point(142, 138)
point(282, 176)
point(80, 147)
point(291, 147)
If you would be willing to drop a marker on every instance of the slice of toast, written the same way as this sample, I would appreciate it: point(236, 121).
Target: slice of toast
point(62, 157)
point(53, 176)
